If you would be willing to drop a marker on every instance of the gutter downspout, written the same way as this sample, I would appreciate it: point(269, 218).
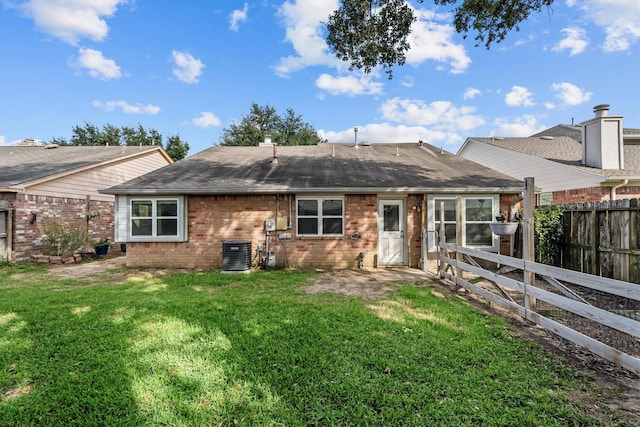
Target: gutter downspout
point(615, 187)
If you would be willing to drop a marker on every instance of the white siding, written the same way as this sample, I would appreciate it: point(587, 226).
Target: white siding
point(121, 227)
point(88, 182)
point(549, 176)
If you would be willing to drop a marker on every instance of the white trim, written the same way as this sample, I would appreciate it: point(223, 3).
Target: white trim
point(123, 220)
point(320, 215)
point(402, 203)
point(495, 198)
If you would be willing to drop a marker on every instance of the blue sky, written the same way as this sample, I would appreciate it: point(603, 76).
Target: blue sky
point(193, 67)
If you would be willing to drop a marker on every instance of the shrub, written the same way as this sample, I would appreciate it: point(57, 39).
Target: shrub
point(61, 240)
point(548, 234)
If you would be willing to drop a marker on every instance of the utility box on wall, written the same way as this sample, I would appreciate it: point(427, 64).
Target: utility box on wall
point(282, 223)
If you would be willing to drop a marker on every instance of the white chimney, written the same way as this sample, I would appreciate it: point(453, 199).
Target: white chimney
point(267, 141)
point(602, 140)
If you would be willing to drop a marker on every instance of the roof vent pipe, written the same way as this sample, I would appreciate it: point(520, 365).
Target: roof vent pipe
point(601, 110)
point(355, 131)
point(275, 154)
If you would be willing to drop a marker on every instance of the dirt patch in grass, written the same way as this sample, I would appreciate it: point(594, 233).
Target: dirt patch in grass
point(367, 284)
point(18, 391)
point(111, 270)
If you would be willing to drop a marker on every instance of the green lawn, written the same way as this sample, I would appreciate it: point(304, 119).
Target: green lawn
point(213, 349)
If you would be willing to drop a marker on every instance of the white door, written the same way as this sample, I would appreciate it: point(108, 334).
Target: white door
point(391, 232)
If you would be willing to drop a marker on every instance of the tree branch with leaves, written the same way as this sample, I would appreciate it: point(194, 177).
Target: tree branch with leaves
point(371, 33)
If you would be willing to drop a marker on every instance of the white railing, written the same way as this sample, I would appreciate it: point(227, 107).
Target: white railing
point(455, 256)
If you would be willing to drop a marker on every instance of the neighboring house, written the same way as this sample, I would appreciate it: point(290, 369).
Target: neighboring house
point(593, 161)
point(51, 183)
point(326, 206)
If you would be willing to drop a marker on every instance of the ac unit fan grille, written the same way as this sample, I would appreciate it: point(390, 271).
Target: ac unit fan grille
point(236, 255)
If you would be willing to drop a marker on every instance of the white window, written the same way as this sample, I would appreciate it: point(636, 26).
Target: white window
point(478, 211)
point(151, 219)
point(320, 216)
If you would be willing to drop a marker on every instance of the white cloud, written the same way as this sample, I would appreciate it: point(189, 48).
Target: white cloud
point(618, 19)
point(526, 125)
point(3, 140)
point(432, 40)
point(519, 97)
point(408, 81)
point(126, 107)
point(575, 41)
point(97, 65)
point(206, 119)
point(570, 94)
point(442, 115)
point(385, 132)
point(348, 85)
point(186, 68)
point(71, 20)
point(529, 39)
point(302, 22)
point(238, 16)
point(471, 93)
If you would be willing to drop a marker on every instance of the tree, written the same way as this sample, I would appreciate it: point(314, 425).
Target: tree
point(287, 130)
point(90, 134)
point(370, 33)
point(176, 148)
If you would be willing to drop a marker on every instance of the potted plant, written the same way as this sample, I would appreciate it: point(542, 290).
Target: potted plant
point(101, 246)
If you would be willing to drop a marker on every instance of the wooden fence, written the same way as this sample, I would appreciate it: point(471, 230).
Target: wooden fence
point(566, 302)
point(602, 239)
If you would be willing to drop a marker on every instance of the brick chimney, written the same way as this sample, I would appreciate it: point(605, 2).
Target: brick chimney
point(602, 140)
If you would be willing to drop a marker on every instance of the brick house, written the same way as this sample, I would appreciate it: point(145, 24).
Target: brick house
point(596, 160)
point(322, 206)
point(39, 184)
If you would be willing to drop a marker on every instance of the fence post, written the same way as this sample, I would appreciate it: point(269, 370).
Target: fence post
point(528, 245)
point(442, 238)
point(459, 270)
point(634, 274)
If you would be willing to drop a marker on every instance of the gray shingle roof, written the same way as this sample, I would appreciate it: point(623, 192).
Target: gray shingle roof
point(570, 131)
point(324, 167)
point(566, 150)
point(559, 149)
point(20, 165)
point(575, 132)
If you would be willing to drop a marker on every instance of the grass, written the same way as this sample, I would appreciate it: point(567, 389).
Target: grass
point(213, 349)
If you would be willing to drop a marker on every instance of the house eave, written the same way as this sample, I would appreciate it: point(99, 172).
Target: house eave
point(12, 189)
point(306, 190)
point(626, 180)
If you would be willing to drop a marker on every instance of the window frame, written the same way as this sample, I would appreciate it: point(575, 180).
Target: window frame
point(180, 216)
point(495, 208)
point(320, 215)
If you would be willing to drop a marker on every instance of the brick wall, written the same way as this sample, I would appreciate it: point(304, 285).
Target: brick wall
point(594, 194)
point(28, 234)
point(213, 220)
